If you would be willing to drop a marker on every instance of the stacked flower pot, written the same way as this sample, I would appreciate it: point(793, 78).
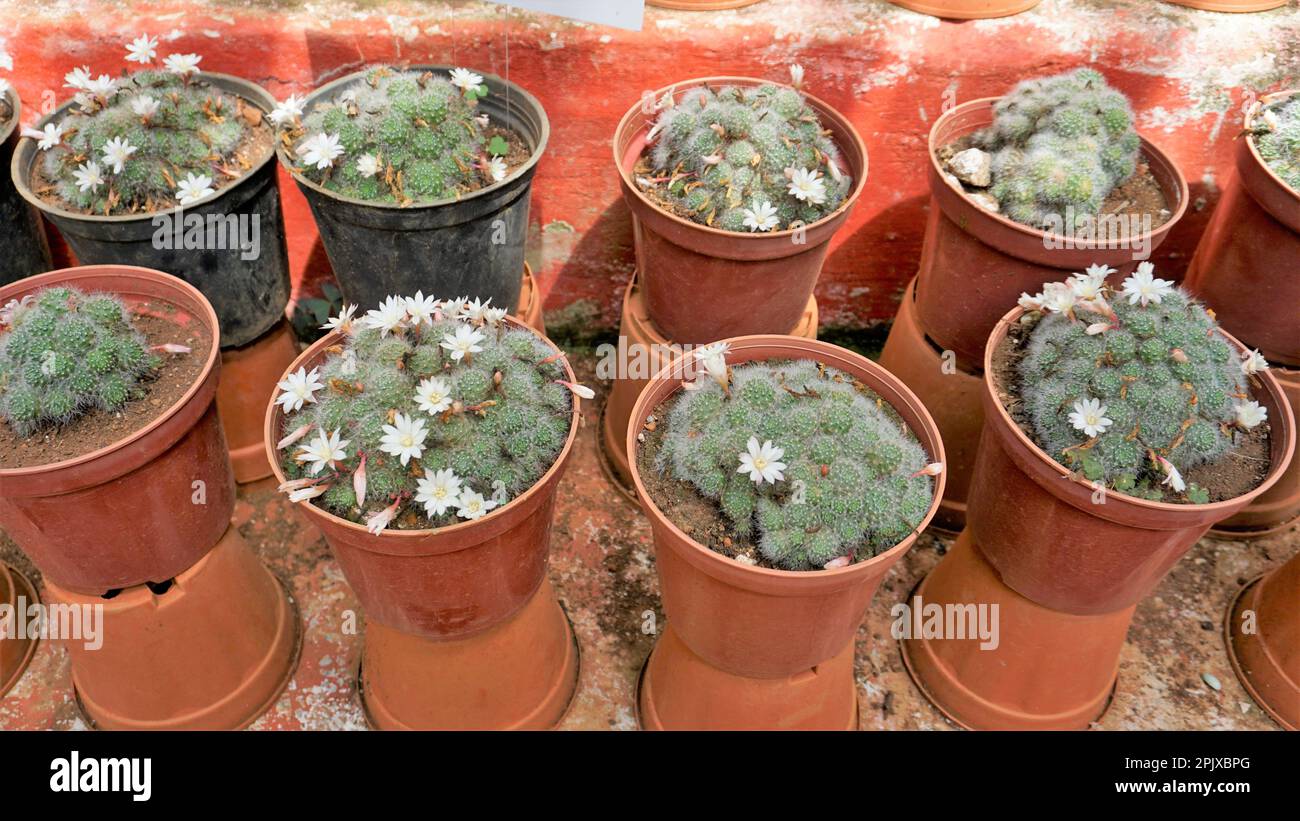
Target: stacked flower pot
point(18, 593)
point(1252, 237)
point(196, 633)
point(974, 264)
point(249, 295)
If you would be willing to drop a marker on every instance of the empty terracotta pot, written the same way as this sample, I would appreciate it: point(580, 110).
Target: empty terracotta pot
point(702, 284)
point(1049, 670)
point(530, 302)
point(678, 690)
point(754, 622)
point(967, 9)
point(954, 397)
point(974, 263)
point(451, 582)
point(1278, 508)
point(248, 376)
point(212, 650)
point(1263, 637)
point(16, 645)
point(700, 5)
point(127, 513)
point(643, 352)
point(519, 675)
point(1037, 523)
point(1253, 237)
point(1231, 5)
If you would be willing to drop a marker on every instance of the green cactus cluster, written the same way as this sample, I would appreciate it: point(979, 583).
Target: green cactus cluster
point(720, 154)
point(1060, 145)
point(197, 131)
point(63, 353)
point(406, 137)
point(497, 418)
point(1158, 378)
point(854, 481)
point(1277, 137)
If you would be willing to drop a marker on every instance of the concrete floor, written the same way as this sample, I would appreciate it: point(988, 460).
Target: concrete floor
point(602, 564)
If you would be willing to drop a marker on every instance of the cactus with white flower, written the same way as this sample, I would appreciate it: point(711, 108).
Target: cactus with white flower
point(1277, 137)
point(747, 159)
point(803, 460)
point(398, 136)
point(148, 141)
point(1135, 385)
point(63, 353)
point(1060, 145)
point(425, 413)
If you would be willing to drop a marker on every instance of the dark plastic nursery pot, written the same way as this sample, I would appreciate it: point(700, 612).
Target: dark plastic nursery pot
point(22, 236)
point(126, 514)
point(702, 283)
point(249, 295)
point(1058, 548)
point(753, 621)
point(974, 262)
point(446, 247)
point(451, 582)
point(1245, 265)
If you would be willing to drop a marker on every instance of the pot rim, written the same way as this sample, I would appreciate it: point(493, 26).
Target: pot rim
point(247, 90)
point(1283, 427)
point(313, 353)
point(824, 108)
point(1251, 114)
point(15, 121)
point(798, 348)
point(69, 276)
point(1147, 149)
point(521, 172)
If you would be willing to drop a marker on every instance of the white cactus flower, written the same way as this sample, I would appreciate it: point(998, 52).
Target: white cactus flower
point(367, 165)
point(194, 188)
point(144, 106)
point(438, 492)
point(433, 395)
point(404, 438)
point(47, 137)
point(320, 150)
point(298, 388)
point(182, 64)
point(88, 176)
point(762, 463)
point(808, 186)
point(116, 152)
point(142, 49)
point(1249, 414)
point(341, 323)
point(1143, 287)
point(472, 505)
point(761, 217)
point(465, 80)
point(288, 110)
point(1089, 416)
point(323, 451)
point(1252, 362)
point(463, 342)
point(389, 316)
point(421, 308)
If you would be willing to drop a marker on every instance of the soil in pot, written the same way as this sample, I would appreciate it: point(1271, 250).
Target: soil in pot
point(418, 178)
point(99, 428)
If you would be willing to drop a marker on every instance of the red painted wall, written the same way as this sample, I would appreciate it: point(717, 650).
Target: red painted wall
point(887, 69)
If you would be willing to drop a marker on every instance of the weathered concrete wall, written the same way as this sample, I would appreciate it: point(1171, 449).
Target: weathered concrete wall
point(888, 69)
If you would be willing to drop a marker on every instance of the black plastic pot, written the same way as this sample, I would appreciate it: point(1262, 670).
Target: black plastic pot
point(472, 246)
point(22, 236)
point(249, 295)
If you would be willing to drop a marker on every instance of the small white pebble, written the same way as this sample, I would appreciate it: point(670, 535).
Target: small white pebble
point(744, 558)
point(1212, 681)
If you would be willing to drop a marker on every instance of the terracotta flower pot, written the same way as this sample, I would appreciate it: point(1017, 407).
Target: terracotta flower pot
point(1278, 508)
point(22, 235)
point(750, 622)
point(703, 284)
point(213, 651)
point(974, 263)
point(451, 582)
point(700, 5)
point(519, 675)
point(248, 295)
point(248, 375)
point(953, 397)
point(967, 9)
point(1242, 262)
point(126, 514)
point(1058, 548)
point(16, 647)
point(678, 690)
point(530, 302)
point(1267, 660)
point(1230, 5)
point(641, 335)
point(1049, 671)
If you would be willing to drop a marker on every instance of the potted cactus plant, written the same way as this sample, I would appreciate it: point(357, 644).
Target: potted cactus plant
point(419, 178)
point(107, 382)
point(782, 477)
point(1050, 176)
point(426, 439)
point(1120, 423)
point(21, 234)
point(736, 186)
point(167, 167)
